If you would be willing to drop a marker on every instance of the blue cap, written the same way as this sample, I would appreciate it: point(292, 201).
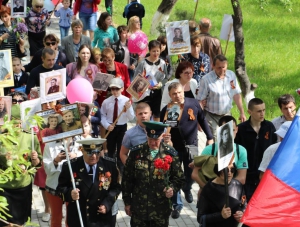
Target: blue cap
point(154, 129)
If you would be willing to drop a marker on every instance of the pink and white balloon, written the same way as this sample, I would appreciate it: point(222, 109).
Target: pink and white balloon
point(138, 43)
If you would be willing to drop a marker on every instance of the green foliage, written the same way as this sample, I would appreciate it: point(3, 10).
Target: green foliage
point(272, 45)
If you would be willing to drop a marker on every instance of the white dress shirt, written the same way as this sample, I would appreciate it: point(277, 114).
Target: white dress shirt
point(107, 111)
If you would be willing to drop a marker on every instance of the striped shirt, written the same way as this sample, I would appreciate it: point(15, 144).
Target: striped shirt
point(218, 93)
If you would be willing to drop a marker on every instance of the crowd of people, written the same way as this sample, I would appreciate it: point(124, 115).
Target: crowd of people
point(145, 162)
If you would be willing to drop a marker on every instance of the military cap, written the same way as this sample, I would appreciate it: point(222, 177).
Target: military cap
point(154, 129)
point(92, 145)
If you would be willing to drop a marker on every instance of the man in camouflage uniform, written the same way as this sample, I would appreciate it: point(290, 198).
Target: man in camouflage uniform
point(146, 192)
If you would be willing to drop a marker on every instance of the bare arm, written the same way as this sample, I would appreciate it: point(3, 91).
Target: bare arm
point(124, 154)
point(261, 174)
point(241, 175)
point(238, 101)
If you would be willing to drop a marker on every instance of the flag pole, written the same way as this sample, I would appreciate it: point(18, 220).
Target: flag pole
point(72, 180)
point(226, 186)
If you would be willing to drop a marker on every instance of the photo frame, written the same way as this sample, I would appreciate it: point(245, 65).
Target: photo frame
point(5, 108)
point(28, 109)
point(53, 85)
point(225, 141)
point(178, 37)
point(173, 114)
point(102, 81)
point(138, 87)
point(18, 8)
point(6, 69)
point(85, 110)
point(60, 123)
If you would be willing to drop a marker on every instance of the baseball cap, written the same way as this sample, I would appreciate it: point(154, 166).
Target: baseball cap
point(116, 82)
point(283, 129)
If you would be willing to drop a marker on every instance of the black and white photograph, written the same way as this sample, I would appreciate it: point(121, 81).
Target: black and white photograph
point(178, 37)
point(225, 142)
point(18, 8)
point(53, 85)
point(60, 123)
point(173, 114)
point(5, 108)
point(6, 70)
point(102, 81)
point(138, 87)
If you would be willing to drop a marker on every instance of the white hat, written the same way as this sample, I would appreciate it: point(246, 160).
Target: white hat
point(283, 129)
point(91, 143)
point(116, 82)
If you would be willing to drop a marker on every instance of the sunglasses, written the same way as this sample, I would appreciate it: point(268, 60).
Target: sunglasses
point(37, 6)
point(232, 169)
point(15, 101)
point(115, 88)
point(50, 43)
point(91, 153)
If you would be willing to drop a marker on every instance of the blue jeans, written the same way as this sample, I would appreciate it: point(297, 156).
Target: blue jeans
point(177, 202)
point(64, 32)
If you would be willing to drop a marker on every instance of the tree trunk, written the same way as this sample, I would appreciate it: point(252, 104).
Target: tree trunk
point(162, 15)
point(239, 61)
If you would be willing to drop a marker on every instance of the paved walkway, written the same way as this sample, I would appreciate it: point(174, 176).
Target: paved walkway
point(188, 214)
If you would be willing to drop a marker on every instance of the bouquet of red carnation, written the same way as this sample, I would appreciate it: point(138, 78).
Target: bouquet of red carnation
point(161, 168)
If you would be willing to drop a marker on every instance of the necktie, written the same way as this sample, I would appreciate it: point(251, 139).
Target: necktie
point(115, 110)
point(153, 153)
point(17, 76)
point(91, 173)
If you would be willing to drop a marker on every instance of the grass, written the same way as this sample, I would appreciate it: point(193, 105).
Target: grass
point(272, 44)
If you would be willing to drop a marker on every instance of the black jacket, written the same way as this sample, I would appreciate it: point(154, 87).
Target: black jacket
point(120, 54)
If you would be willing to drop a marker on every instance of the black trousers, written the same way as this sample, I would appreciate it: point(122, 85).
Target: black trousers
point(114, 142)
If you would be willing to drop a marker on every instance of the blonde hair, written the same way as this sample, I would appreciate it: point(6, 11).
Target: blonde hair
point(37, 2)
point(131, 22)
point(96, 50)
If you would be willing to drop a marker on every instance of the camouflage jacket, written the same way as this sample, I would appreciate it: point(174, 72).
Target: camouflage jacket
point(142, 188)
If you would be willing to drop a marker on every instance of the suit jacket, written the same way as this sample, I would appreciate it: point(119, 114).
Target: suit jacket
point(20, 9)
point(188, 126)
point(68, 48)
point(91, 194)
point(22, 81)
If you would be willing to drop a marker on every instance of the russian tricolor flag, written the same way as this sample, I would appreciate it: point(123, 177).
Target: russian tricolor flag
point(276, 201)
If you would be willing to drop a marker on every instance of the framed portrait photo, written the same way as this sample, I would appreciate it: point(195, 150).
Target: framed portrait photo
point(173, 114)
point(102, 80)
point(6, 69)
point(178, 37)
point(5, 108)
point(138, 87)
point(60, 123)
point(18, 8)
point(85, 110)
point(53, 85)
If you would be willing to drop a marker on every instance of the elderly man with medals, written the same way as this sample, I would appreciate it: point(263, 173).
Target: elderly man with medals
point(97, 186)
point(152, 174)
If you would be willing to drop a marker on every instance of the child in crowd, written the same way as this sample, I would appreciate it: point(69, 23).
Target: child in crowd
point(20, 77)
point(95, 116)
point(65, 14)
point(111, 108)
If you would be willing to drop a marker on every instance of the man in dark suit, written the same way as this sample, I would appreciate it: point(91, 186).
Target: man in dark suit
point(134, 8)
point(54, 87)
point(185, 134)
point(18, 7)
point(97, 186)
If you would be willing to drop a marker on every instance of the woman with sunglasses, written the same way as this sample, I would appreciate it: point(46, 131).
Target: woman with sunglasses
point(8, 39)
point(49, 41)
point(212, 211)
point(37, 19)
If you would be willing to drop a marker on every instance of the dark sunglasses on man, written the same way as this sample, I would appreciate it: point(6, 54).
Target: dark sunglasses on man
point(50, 43)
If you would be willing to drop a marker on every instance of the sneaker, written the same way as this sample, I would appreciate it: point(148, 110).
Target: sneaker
point(188, 196)
point(175, 213)
point(46, 217)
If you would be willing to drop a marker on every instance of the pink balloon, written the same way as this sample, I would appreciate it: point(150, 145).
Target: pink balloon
point(137, 42)
point(80, 90)
point(143, 53)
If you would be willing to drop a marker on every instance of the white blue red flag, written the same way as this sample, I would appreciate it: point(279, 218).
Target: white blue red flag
point(276, 201)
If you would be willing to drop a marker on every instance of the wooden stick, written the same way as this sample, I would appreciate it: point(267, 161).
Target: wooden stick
point(115, 122)
point(195, 9)
point(228, 37)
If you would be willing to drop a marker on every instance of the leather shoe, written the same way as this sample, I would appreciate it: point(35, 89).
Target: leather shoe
point(188, 196)
point(175, 214)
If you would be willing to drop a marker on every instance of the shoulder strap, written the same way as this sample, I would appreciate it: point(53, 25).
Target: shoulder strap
point(238, 150)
